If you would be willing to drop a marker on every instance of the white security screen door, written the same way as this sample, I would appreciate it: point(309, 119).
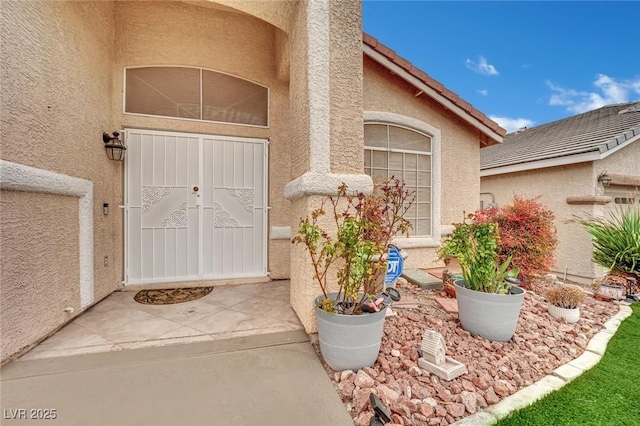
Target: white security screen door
point(195, 207)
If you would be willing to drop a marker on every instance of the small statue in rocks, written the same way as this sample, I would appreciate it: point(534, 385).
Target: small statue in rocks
point(434, 360)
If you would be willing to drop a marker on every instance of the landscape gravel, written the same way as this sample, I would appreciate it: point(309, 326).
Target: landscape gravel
point(495, 369)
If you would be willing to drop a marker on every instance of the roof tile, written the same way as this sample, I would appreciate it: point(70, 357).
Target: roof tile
point(435, 85)
point(386, 51)
point(594, 131)
point(450, 95)
point(465, 105)
point(402, 62)
point(369, 40)
point(419, 74)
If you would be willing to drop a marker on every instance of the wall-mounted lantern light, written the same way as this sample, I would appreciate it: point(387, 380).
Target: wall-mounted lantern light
point(114, 146)
point(604, 179)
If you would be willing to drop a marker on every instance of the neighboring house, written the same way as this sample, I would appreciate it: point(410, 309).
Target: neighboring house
point(581, 165)
point(238, 118)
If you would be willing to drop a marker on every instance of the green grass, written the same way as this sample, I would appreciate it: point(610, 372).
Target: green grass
point(608, 394)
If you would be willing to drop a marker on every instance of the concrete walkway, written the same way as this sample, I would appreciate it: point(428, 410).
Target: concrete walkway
point(273, 379)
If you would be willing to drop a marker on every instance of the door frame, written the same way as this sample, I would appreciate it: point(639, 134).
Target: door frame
point(126, 204)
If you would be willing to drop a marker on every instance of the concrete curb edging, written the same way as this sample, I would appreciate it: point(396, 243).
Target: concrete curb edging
point(561, 376)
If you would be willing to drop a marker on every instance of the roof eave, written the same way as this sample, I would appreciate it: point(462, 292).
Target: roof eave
point(405, 75)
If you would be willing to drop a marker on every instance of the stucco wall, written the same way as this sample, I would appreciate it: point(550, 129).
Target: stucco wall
point(164, 33)
point(623, 162)
point(347, 155)
point(460, 147)
point(56, 87)
point(39, 270)
point(555, 185)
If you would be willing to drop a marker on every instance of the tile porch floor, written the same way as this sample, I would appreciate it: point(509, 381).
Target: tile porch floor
point(119, 322)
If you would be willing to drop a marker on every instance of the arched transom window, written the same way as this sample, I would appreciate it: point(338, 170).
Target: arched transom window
point(195, 94)
point(392, 150)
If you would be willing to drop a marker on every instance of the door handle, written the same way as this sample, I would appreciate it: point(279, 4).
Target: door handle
point(196, 189)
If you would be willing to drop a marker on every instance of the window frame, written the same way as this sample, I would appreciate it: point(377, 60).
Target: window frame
point(200, 69)
point(412, 124)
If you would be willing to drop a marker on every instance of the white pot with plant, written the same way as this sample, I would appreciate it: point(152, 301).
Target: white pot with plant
point(489, 300)
point(564, 302)
point(349, 325)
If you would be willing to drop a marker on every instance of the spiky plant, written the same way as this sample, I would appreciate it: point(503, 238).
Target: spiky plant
point(616, 240)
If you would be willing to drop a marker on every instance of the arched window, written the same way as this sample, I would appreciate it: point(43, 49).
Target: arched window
point(392, 150)
point(195, 94)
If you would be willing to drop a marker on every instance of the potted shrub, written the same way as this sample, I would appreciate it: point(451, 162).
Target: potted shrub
point(488, 302)
point(564, 302)
point(355, 254)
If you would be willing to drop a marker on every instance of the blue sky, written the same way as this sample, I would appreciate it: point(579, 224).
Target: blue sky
point(521, 63)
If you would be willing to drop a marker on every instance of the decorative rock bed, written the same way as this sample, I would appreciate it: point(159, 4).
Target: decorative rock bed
point(495, 370)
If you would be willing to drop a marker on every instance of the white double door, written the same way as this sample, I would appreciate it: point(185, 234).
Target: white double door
point(195, 206)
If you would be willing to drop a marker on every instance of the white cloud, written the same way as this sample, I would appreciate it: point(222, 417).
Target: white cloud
point(481, 67)
point(483, 92)
point(608, 91)
point(512, 124)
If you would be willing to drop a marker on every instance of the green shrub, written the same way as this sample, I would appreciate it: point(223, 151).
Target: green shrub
point(616, 240)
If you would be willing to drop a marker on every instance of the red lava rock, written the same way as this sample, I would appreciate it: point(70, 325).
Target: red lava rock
point(363, 380)
point(347, 389)
point(491, 397)
point(467, 385)
point(360, 400)
point(469, 401)
point(480, 401)
point(400, 408)
point(495, 369)
point(364, 419)
point(441, 411)
point(414, 317)
point(443, 393)
point(419, 417)
point(481, 383)
point(407, 364)
point(397, 419)
point(421, 392)
point(426, 410)
point(386, 394)
point(456, 388)
point(455, 409)
point(415, 371)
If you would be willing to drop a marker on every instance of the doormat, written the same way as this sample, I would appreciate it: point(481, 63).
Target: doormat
point(170, 296)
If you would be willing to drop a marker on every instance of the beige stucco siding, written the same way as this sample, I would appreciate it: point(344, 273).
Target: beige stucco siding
point(460, 162)
point(163, 33)
point(39, 266)
point(347, 155)
point(56, 89)
point(555, 184)
point(626, 161)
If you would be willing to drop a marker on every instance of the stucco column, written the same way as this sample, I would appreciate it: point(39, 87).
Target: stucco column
point(327, 124)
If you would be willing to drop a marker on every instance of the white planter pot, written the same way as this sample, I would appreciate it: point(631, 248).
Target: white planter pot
point(349, 342)
point(571, 316)
point(492, 316)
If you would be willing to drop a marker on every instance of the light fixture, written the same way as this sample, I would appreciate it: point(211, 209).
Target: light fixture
point(114, 146)
point(604, 178)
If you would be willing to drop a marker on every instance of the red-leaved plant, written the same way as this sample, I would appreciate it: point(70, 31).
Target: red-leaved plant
point(527, 234)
